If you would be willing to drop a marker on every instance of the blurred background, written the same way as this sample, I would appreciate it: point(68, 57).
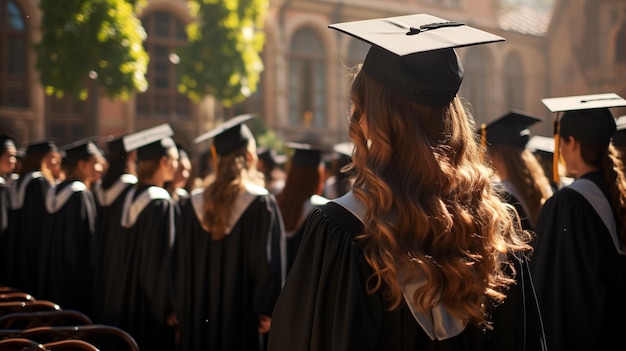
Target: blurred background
point(71, 69)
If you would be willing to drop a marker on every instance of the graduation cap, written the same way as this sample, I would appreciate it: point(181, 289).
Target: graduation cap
point(586, 117)
point(510, 129)
point(147, 136)
point(6, 142)
point(539, 143)
point(619, 138)
point(307, 154)
point(270, 155)
point(413, 56)
point(230, 135)
point(80, 150)
point(41, 147)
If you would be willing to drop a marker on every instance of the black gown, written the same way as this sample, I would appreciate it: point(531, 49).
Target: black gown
point(67, 247)
point(579, 275)
point(5, 207)
point(28, 218)
point(221, 287)
point(324, 305)
point(109, 242)
point(138, 297)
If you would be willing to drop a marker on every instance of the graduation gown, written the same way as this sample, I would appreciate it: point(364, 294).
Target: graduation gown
point(294, 238)
point(5, 207)
point(579, 274)
point(324, 304)
point(221, 287)
point(136, 286)
point(67, 247)
point(28, 218)
point(109, 241)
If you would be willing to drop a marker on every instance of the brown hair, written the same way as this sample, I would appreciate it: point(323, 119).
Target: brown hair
point(301, 183)
point(220, 195)
point(526, 175)
point(451, 224)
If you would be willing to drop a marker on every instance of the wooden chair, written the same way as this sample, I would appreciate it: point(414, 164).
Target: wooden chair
point(27, 320)
point(104, 337)
point(69, 345)
point(15, 296)
point(7, 307)
point(22, 344)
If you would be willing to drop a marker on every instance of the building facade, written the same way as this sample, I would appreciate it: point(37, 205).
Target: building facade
point(574, 47)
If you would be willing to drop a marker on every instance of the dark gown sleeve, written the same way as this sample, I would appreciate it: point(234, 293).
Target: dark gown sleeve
point(572, 265)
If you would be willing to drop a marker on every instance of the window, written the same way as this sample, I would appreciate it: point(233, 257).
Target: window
point(162, 99)
point(514, 86)
point(474, 87)
point(620, 45)
point(307, 80)
point(14, 47)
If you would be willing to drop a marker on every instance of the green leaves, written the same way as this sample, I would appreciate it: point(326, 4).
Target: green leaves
point(223, 55)
point(91, 39)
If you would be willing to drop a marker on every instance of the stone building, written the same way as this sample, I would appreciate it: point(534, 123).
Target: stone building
point(571, 47)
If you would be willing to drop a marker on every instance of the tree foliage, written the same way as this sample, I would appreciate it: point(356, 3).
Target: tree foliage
point(223, 55)
point(91, 39)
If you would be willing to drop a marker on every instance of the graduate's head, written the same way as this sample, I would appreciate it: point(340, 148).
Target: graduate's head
point(8, 153)
point(404, 96)
point(584, 129)
point(82, 161)
point(41, 156)
point(159, 156)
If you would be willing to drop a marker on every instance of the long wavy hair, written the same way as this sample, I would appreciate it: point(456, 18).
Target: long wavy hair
point(607, 159)
point(525, 173)
point(430, 205)
point(301, 183)
point(233, 170)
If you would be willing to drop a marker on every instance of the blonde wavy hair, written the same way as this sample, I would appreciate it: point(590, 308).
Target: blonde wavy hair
point(233, 170)
point(526, 174)
point(430, 204)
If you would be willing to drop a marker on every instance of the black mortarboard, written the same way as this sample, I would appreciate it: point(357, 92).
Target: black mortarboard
point(80, 150)
point(41, 147)
point(510, 129)
point(619, 138)
point(230, 135)
point(270, 155)
point(306, 155)
point(155, 150)
point(6, 142)
point(115, 146)
point(147, 136)
point(586, 117)
point(413, 56)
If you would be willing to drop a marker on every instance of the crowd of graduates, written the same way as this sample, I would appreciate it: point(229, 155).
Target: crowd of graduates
point(437, 233)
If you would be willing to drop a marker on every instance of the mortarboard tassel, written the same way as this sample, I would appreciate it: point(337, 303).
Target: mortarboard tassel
point(214, 157)
point(483, 139)
point(556, 156)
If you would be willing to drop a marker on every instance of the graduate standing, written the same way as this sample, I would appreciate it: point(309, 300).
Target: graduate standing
point(414, 257)
point(579, 264)
point(524, 184)
point(67, 243)
point(140, 299)
point(302, 192)
point(229, 263)
point(7, 167)
point(28, 195)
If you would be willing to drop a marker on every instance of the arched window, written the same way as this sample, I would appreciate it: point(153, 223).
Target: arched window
point(13, 56)
point(474, 86)
point(620, 45)
point(307, 80)
point(513, 84)
point(162, 100)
